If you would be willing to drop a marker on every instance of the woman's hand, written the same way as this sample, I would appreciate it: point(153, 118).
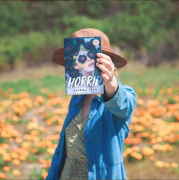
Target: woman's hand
point(105, 64)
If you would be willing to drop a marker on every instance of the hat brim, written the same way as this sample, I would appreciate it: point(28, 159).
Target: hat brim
point(119, 61)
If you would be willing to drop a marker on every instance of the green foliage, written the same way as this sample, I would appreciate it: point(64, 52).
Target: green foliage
point(171, 119)
point(126, 146)
point(1, 161)
point(36, 174)
point(131, 159)
point(55, 141)
point(14, 18)
point(41, 150)
point(146, 27)
point(55, 122)
point(49, 157)
point(32, 158)
point(140, 24)
point(46, 15)
point(4, 140)
point(171, 101)
point(12, 48)
point(21, 121)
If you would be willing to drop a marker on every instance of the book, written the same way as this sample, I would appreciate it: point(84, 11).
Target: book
point(81, 74)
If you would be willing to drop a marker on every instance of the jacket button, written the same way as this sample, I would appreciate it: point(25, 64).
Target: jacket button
point(90, 163)
point(86, 139)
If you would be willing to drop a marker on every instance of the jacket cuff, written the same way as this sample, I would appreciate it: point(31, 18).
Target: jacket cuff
point(117, 99)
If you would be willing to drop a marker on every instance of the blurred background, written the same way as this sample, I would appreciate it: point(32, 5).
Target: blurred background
point(33, 103)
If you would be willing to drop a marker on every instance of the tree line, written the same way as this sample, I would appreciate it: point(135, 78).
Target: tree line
point(30, 31)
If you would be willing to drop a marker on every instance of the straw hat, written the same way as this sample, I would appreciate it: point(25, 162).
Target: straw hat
point(119, 61)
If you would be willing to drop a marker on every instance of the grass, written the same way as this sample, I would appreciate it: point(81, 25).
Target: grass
point(139, 76)
point(51, 83)
point(134, 74)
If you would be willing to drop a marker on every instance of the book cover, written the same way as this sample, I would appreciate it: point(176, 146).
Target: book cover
point(81, 74)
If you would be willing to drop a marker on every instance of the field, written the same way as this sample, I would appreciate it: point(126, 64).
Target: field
point(33, 106)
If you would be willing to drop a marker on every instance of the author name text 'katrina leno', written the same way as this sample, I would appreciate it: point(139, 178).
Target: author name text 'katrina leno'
point(89, 81)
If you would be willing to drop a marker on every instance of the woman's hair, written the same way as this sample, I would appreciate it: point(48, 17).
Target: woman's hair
point(115, 72)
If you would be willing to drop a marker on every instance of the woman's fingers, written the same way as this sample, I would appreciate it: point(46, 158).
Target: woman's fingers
point(104, 76)
point(104, 62)
point(107, 64)
point(101, 55)
point(104, 69)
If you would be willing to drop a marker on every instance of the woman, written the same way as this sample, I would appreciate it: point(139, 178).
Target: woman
point(93, 134)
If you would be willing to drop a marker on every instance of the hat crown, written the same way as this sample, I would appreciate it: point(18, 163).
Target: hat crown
point(119, 61)
point(90, 32)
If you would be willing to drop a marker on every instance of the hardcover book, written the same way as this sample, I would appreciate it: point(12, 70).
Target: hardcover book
point(81, 74)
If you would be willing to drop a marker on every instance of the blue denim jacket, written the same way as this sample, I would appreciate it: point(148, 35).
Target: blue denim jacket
point(104, 135)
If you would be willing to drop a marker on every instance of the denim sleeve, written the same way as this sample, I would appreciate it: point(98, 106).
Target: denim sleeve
point(124, 101)
point(122, 104)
